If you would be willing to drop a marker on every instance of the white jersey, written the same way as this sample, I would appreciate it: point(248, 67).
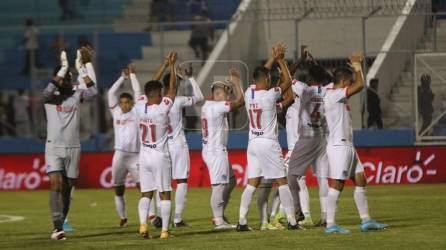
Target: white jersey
point(63, 118)
point(338, 117)
point(214, 124)
point(292, 124)
point(125, 126)
point(312, 122)
point(153, 123)
point(262, 112)
point(175, 128)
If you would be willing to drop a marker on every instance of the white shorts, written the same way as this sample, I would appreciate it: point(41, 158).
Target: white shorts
point(122, 164)
point(343, 161)
point(309, 151)
point(265, 159)
point(218, 165)
point(179, 154)
point(155, 171)
point(65, 160)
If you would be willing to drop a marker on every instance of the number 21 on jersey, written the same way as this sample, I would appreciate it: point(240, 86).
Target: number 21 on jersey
point(145, 133)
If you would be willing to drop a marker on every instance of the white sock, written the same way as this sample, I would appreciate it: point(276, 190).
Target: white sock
point(275, 205)
point(158, 204)
point(217, 203)
point(332, 199)
point(165, 214)
point(180, 199)
point(245, 201)
point(304, 196)
point(361, 203)
point(152, 211)
point(323, 192)
point(143, 209)
point(120, 206)
point(287, 201)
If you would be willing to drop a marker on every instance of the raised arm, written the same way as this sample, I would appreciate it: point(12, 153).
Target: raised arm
point(171, 92)
point(285, 77)
point(356, 64)
point(137, 90)
point(112, 96)
point(48, 92)
point(234, 77)
point(197, 97)
point(288, 99)
point(269, 63)
point(159, 73)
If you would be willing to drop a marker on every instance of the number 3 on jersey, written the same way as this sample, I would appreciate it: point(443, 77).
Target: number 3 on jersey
point(255, 116)
point(144, 133)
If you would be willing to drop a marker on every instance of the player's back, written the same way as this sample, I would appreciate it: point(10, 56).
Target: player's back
point(262, 112)
point(176, 130)
point(153, 123)
point(214, 124)
point(337, 113)
point(126, 129)
point(292, 124)
point(312, 115)
point(63, 122)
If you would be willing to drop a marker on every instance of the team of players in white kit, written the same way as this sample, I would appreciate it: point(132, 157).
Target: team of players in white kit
point(319, 133)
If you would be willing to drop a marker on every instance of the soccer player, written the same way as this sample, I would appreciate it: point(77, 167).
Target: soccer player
point(310, 148)
point(125, 125)
point(152, 110)
point(340, 151)
point(214, 126)
point(264, 152)
point(62, 148)
point(178, 149)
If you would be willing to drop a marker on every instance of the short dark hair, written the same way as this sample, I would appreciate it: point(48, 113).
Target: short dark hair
point(126, 95)
point(342, 73)
point(259, 72)
point(152, 86)
point(317, 74)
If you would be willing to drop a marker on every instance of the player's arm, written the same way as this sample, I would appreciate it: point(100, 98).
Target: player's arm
point(288, 99)
point(159, 73)
point(48, 92)
point(234, 77)
point(171, 92)
point(269, 63)
point(137, 90)
point(285, 77)
point(112, 92)
point(356, 64)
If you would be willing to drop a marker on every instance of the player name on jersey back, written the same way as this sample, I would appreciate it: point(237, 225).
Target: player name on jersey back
point(262, 112)
point(214, 123)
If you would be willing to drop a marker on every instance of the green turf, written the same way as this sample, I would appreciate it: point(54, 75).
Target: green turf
point(416, 214)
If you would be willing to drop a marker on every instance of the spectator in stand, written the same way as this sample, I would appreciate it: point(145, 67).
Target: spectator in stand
point(197, 6)
point(22, 113)
point(3, 116)
point(425, 99)
point(31, 45)
point(201, 32)
point(373, 105)
point(66, 6)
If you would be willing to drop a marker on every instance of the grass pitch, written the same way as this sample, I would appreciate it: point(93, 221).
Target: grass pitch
point(416, 214)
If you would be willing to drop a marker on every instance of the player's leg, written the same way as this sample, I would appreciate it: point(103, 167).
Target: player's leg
point(55, 171)
point(340, 160)
point(323, 192)
point(262, 204)
point(119, 175)
point(286, 199)
point(179, 153)
point(277, 213)
point(66, 225)
point(228, 190)
point(148, 186)
point(254, 174)
point(304, 198)
point(71, 162)
point(162, 166)
point(56, 205)
point(360, 197)
point(320, 170)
